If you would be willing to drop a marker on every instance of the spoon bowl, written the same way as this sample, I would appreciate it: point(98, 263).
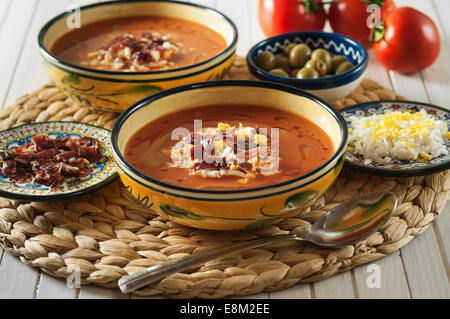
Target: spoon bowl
point(353, 220)
point(344, 225)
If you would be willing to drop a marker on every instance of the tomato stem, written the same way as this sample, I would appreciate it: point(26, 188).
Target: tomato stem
point(377, 2)
point(314, 6)
point(377, 33)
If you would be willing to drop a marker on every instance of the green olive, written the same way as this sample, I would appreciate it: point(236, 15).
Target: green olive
point(336, 61)
point(299, 55)
point(344, 67)
point(288, 48)
point(283, 63)
point(307, 73)
point(324, 55)
point(266, 61)
point(318, 65)
point(293, 73)
point(279, 72)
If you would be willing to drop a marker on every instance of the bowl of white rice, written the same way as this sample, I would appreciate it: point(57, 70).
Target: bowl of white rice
point(398, 138)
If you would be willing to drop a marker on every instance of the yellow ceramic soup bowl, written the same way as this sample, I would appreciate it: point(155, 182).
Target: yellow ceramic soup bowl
point(115, 91)
point(229, 209)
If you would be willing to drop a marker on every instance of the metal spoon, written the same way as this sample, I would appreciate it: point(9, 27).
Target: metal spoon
point(345, 224)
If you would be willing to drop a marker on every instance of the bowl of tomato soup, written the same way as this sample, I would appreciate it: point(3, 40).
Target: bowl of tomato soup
point(229, 155)
point(110, 55)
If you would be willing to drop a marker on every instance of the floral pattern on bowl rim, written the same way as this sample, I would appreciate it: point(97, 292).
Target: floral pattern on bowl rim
point(103, 172)
point(399, 168)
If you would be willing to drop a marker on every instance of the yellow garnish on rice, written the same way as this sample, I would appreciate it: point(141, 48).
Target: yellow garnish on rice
point(223, 126)
point(423, 157)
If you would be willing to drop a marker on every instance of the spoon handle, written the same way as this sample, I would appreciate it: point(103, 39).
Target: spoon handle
point(158, 272)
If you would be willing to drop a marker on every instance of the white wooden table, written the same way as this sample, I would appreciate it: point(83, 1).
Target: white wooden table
point(419, 270)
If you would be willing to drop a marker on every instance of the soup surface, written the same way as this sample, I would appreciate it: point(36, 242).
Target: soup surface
point(139, 44)
point(202, 158)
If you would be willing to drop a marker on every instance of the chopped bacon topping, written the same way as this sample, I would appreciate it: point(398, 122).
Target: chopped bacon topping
point(50, 161)
point(144, 52)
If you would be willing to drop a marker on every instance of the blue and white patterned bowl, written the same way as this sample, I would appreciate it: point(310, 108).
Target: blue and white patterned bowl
point(103, 173)
point(399, 168)
point(330, 88)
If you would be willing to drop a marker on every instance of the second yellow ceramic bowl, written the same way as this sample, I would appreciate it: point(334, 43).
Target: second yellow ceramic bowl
point(229, 209)
point(115, 91)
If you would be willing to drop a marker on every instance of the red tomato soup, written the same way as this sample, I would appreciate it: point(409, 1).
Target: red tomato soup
point(139, 44)
point(235, 147)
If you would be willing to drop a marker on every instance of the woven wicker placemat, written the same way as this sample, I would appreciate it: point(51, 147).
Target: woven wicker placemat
point(108, 235)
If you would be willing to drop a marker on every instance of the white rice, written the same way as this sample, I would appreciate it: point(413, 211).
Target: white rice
point(396, 136)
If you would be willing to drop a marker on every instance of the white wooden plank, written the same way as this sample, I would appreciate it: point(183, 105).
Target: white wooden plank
point(12, 33)
point(18, 281)
point(436, 83)
point(339, 286)
point(13, 30)
point(256, 33)
point(426, 274)
point(411, 86)
point(443, 226)
point(95, 292)
point(300, 291)
point(436, 77)
point(376, 72)
point(393, 283)
point(436, 90)
point(54, 288)
point(30, 73)
point(4, 8)
point(438, 14)
point(240, 16)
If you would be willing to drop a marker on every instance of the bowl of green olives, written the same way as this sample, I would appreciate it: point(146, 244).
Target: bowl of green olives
point(328, 65)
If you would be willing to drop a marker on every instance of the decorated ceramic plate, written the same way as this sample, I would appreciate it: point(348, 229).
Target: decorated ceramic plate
point(398, 168)
point(100, 172)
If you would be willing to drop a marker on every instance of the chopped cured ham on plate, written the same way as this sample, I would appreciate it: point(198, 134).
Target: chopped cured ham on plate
point(50, 161)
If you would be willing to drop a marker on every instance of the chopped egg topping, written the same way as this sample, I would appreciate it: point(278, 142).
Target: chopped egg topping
point(225, 150)
point(398, 136)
